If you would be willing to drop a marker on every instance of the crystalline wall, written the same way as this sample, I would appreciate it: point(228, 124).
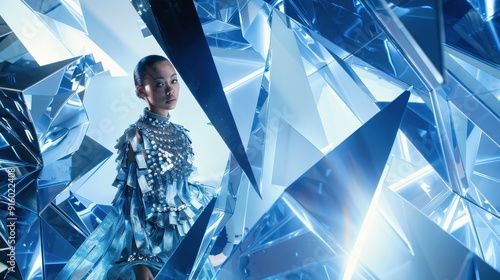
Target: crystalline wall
point(363, 135)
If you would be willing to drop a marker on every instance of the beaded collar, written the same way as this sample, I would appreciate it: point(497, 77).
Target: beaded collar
point(155, 120)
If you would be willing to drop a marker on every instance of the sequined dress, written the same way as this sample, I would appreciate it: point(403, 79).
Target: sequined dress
point(154, 207)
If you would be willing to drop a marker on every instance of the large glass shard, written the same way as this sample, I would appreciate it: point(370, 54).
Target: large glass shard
point(241, 76)
point(338, 189)
point(290, 97)
point(166, 20)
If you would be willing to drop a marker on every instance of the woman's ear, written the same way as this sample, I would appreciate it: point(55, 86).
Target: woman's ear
point(140, 91)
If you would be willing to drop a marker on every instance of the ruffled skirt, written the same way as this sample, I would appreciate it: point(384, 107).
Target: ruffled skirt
point(106, 254)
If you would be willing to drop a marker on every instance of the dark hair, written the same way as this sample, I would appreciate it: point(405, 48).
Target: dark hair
point(143, 65)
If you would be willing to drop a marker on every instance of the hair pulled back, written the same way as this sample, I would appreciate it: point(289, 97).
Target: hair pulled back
point(142, 66)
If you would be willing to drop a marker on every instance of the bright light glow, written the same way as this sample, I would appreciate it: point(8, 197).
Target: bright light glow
point(364, 233)
point(243, 80)
point(410, 179)
point(450, 214)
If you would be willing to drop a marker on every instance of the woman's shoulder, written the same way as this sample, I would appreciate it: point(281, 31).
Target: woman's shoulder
point(130, 135)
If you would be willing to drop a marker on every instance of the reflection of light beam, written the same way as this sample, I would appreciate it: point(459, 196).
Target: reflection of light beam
point(489, 9)
point(406, 181)
point(243, 80)
point(37, 265)
point(364, 232)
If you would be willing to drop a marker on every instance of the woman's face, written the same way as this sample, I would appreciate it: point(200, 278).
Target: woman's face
point(160, 88)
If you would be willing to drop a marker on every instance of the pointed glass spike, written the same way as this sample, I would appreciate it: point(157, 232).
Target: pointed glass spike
point(56, 251)
point(241, 76)
point(206, 10)
point(181, 263)
point(67, 12)
point(178, 45)
point(29, 252)
point(202, 265)
point(338, 189)
point(290, 96)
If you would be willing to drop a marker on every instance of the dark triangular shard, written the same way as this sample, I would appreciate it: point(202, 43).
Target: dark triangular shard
point(181, 263)
point(338, 190)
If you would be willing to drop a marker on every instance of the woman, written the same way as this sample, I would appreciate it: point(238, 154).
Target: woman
point(155, 203)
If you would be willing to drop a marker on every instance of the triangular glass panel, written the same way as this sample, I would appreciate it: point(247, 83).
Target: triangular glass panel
point(56, 251)
point(59, 222)
point(345, 180)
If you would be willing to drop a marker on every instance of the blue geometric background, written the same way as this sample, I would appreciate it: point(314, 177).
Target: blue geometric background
point(349, 139)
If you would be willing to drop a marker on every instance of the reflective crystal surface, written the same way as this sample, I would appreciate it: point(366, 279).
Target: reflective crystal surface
point(348, 139)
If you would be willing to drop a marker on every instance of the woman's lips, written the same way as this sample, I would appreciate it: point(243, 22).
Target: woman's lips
point(171, 100)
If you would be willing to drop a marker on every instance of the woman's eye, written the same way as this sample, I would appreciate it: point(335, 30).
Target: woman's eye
point(174, 81)
point(158, 85)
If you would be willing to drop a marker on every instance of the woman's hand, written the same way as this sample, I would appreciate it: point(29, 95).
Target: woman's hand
point(142, 272)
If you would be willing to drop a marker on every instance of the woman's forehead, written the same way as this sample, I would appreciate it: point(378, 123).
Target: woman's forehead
point(163, 67)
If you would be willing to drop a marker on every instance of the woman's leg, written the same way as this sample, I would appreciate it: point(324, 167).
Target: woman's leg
point(142, 272)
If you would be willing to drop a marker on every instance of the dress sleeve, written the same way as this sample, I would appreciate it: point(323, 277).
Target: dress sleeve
point(131, 183)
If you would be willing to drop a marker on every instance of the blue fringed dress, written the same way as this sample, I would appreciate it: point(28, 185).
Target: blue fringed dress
point(154, 207)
